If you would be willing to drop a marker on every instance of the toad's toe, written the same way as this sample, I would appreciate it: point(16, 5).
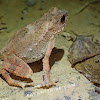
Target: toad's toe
point(46, 84)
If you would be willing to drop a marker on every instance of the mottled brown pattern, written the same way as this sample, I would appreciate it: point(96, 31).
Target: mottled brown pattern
point(30, 44)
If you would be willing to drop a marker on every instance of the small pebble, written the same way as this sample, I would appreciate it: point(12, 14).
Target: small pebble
point(27, 92)
point(31, 2)
point(41, 8)
point(22, 18)
point(3, 28)
point(25, 11)
point(67, 98)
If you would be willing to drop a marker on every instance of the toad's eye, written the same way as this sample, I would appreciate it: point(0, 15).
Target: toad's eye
point(63, 19)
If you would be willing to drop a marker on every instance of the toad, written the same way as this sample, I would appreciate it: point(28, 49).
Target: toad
point(30, 44)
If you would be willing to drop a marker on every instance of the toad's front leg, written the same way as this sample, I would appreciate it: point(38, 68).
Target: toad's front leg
point(46, 67)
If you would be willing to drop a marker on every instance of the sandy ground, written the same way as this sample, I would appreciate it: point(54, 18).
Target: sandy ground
point(83, 19)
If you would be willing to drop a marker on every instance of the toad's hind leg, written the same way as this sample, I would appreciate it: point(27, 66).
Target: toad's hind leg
point(11, 81)
point(17, 67)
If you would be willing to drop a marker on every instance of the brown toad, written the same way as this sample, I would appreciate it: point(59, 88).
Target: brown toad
point(30, 44)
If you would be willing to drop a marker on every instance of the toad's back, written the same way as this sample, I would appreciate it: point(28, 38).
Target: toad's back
point(30, 43)
point(27, 44)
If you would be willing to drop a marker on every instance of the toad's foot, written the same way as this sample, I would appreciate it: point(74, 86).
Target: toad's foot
point(23, 85)
point(45, 84)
